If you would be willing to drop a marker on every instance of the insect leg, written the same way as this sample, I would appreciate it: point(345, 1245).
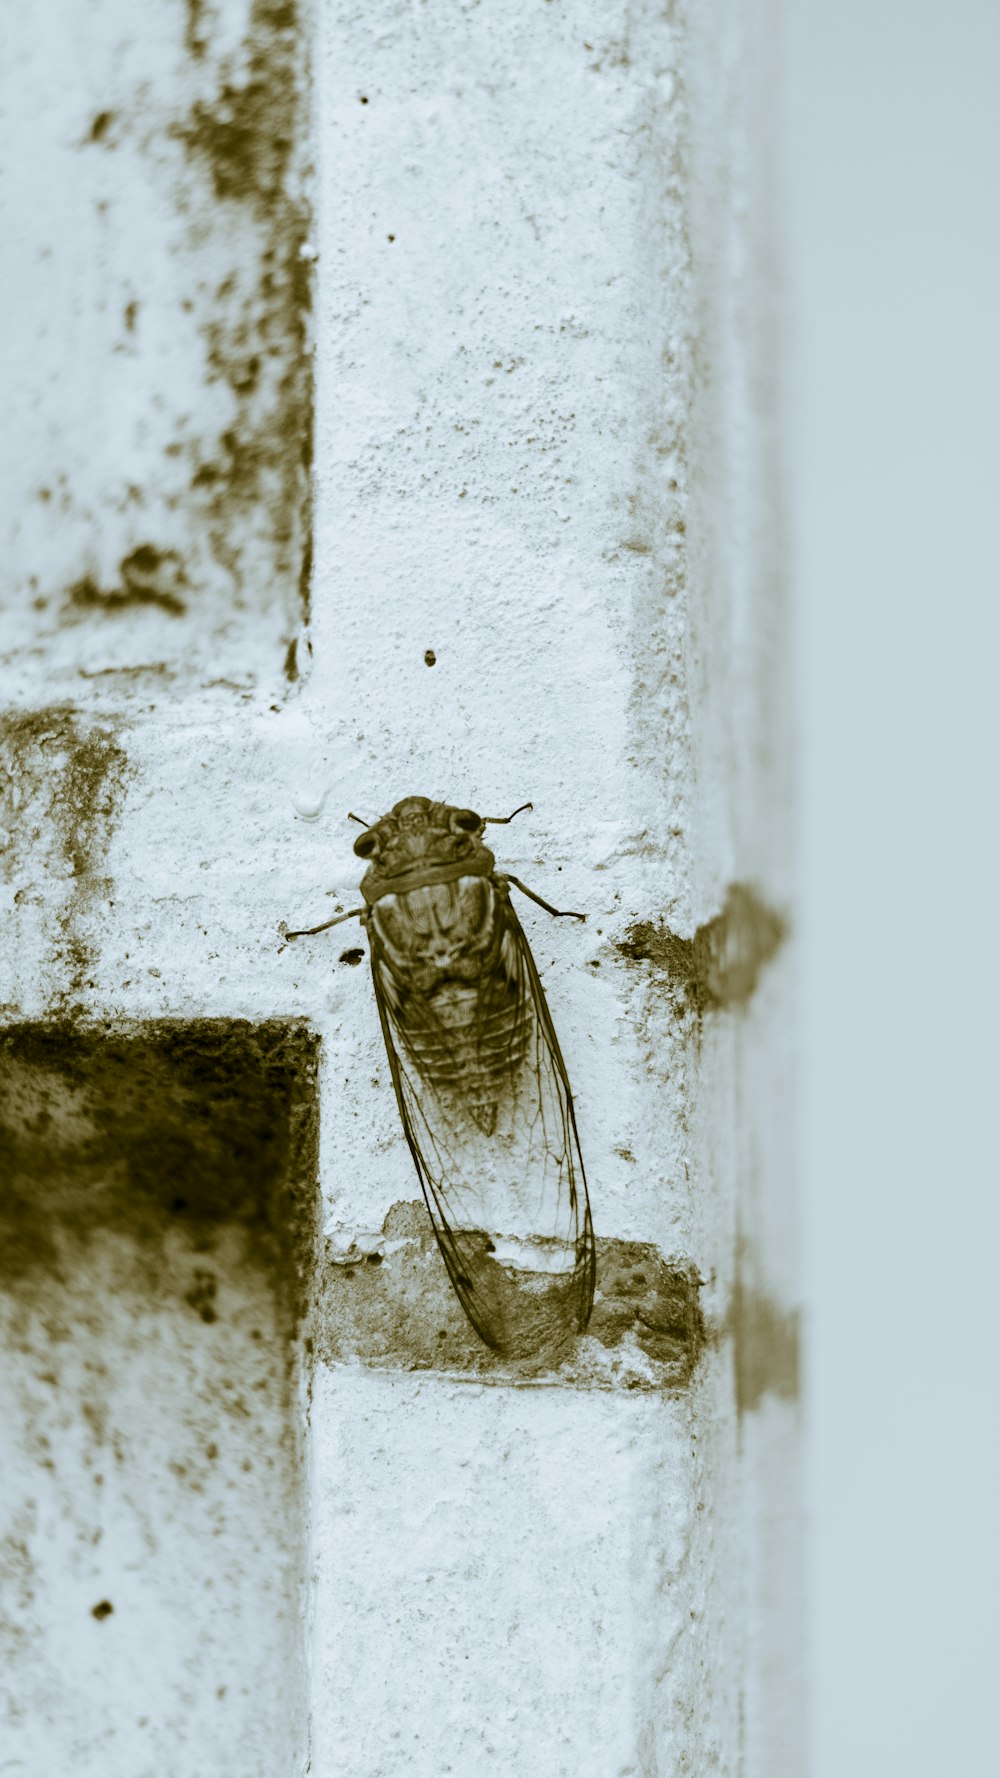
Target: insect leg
point(338, 919)
point(502, 820)
point(560, 913)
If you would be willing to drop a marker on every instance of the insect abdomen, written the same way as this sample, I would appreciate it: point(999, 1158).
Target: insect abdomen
point(465, 1025)
point(477, 1053)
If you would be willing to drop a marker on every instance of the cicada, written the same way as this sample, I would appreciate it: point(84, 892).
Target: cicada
point(480, 1081)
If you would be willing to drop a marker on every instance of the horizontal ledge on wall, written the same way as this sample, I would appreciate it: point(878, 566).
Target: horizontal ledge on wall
point(385, 1301)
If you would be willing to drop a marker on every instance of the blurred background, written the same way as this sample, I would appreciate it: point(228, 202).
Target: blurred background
point(892, 166)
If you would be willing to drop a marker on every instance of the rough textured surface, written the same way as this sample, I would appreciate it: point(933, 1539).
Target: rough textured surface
point(157, 1188)
point(547, 566)
point(61, 781)
point(719, 966)
point(386, 1299)
point(157, 305)
point(509, 1513)
point(187, 1126)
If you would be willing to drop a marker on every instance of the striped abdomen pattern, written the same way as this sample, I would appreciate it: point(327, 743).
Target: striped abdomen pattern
point(461, 1014)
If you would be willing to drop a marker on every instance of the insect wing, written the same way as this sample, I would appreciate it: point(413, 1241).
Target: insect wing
point(492, 1131)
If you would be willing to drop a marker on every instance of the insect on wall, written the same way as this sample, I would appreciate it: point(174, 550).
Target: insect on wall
point(480, 1082)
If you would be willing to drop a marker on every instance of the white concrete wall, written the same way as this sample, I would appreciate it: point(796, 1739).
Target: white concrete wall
point(155, 303)
point(543, 453)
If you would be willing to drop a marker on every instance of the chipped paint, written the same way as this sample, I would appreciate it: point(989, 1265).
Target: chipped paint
point(385, 1300)
point(720, 965)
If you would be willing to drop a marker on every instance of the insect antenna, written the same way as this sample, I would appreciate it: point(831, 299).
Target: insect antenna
point(358, 819)
point(502, 820)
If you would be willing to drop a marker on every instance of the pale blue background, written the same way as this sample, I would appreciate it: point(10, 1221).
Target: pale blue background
point(893, 170)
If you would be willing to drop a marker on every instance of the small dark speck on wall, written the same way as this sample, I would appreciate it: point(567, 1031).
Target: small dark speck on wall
point(103, 1610)
point(101, 125)
point(353, 957)
point(364, 100)
point(390, 237)
point(430, 658)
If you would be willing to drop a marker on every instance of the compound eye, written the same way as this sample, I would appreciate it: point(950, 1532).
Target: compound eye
point(466, 821)
point(366, 845)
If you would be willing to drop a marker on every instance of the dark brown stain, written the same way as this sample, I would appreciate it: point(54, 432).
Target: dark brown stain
point(149, 576)
point(89, 792)
point(720, 965)
point(64, 784)
point(160, 668)
point(161, 1125)
point(656, 1301)
point(202, 1294)
point(766, 1343)
point(234, 156)
point(389, 1304)
point(158, 1192)
point(248, 138)
point(195, 28)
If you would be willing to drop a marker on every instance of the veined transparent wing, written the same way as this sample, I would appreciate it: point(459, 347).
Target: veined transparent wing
point(488, 1114)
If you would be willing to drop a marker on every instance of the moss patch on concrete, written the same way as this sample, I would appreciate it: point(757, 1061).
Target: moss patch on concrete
point(721, 964)
point(61, 787)
point(387, 1302)
point(248, 137)
point(156, 1128)
point(61, 784)
point(148, 576)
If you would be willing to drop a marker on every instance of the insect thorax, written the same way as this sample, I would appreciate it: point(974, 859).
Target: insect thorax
point(439, 932)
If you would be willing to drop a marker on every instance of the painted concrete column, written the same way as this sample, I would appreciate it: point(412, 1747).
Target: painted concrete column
point(436, 457)
point(546, 567)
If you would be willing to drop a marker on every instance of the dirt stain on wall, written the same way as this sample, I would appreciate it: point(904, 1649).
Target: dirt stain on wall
point(148, 576)
point(172, 478)
point(158, 1192)
point(155, 1128)
point(61, 785)
point(248, 139)
point(720, 966)
point(388, 1302)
